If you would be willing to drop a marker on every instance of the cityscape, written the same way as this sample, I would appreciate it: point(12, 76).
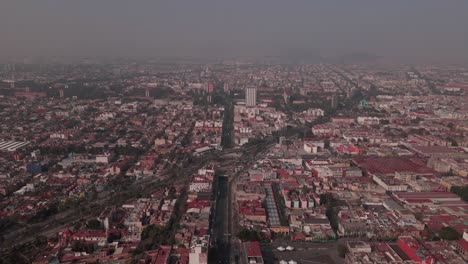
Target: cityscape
point(233, 159)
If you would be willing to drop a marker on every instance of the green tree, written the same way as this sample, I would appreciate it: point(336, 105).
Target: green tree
point(327, 143)
point(77, 226)
point(249, 235)
point(94, 224)
point(385, 122)
point(153, 236)
point(40, 240)
point(79, 246)
point(461, 191)
point(449, 233)
point(453, 142)
point(342, 250)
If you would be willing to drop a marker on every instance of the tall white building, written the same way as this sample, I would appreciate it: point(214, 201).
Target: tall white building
point(251, 96)
point(226, 87)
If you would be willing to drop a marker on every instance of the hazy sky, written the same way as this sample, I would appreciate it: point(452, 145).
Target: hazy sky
point(400, 30)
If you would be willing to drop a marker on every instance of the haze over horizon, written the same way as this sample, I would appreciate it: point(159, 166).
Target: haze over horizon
point(398, 31)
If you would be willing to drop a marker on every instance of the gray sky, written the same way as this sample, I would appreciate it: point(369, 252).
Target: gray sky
point(398, 30)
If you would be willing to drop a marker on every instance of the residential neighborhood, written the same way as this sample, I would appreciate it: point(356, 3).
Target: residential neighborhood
point(215, 163)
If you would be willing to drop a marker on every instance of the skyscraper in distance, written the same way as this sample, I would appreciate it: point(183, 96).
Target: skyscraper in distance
point(226, 87)
point(251, 96)
point(334, 101)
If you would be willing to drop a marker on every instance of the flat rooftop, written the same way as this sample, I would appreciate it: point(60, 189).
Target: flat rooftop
point(375, 165)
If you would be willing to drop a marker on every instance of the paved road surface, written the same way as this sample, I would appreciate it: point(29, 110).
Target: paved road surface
point(222, 252)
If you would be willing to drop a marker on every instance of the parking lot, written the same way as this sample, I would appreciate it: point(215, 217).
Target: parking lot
point(304, 252)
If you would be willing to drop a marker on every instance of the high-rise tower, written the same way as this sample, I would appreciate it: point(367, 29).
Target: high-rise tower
point(251, 96)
